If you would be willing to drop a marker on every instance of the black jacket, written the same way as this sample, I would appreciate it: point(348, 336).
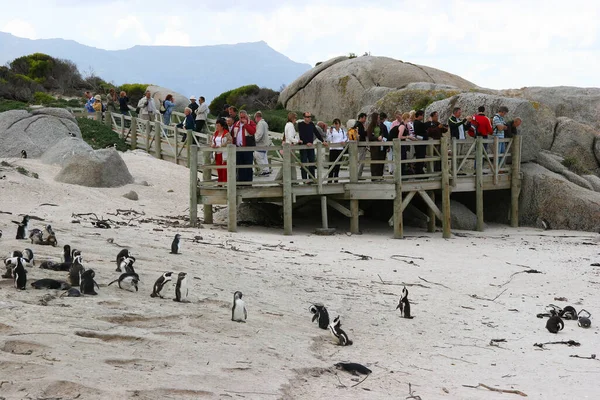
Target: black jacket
point(362, 132)
point(308, 132)
point(454, 123)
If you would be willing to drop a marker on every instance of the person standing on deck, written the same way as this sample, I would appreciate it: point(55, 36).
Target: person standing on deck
point(307, 131)
point(262, 140)
point(243, 134)
point(201, 115)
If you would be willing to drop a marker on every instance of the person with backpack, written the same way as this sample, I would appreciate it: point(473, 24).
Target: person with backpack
point(167, 109)
point(336, 134)
point(500, 126)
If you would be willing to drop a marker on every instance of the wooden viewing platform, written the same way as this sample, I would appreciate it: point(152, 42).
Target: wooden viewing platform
point(448, 169)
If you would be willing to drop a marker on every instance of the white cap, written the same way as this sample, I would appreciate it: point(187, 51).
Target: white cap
point(192, 97)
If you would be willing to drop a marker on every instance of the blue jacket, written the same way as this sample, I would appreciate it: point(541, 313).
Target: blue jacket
point(169, 106)
point(189, 121)
point(89, 105)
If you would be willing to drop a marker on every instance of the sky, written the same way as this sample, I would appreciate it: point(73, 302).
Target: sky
point(494, 44)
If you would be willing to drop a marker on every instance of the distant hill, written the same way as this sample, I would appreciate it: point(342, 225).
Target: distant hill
point(202, 70)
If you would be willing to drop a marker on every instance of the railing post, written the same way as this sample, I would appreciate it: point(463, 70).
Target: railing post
point(207, 177)
point(430, 166)
point(189, 141)
point(157, 140)
point(479, 183)
point(194, 188)
point(496, 159)
point(287, 189)
point(122, 125)
point(133, 132)
point(454, 161)
point(320, 170)
point(107, 119)
point(148, 128)
point(515, 181)
point(398, 222)
point(445, 188)
point(175, 139)
point(231, 188)
point(98, 116)
point(354, 209)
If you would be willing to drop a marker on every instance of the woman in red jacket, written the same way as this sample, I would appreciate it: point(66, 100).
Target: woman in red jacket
point(221, 138)
point(243, 136)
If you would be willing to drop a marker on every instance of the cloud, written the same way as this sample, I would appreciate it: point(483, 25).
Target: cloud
point(132, 25)
point(174, 34)
point(20, 28)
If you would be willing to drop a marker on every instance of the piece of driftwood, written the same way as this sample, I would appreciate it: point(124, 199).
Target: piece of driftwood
point(529, 271)
point(399, 284)
point(510, 391)
point(592, 357)
point(361, 257)
point(570, 343)
point(434, 283)
point(486, 299)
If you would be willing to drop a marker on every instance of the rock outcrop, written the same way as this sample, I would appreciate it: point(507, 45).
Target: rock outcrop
point(549, 197)
point(100, 168)
point(538, 120)
point(64, 149)
point(34, 132)
point(575, 140)
point(555, 163)
point(159, 93)
point(335, 88)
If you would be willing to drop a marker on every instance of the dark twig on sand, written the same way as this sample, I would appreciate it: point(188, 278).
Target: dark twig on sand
point(570, 343)
point(356, 384)
point(361, 257)
point(399, 284)
point(529, 271)
point(592, 357)
point(511, 391)
point(434, 283)
point(486, 299)
point(411, 393)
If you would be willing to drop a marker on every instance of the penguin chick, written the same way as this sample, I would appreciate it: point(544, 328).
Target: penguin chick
point(160, 283)
point(555, 324)
point(176, 244)
point(320, 314)
point(340, 337)
point(238, 311)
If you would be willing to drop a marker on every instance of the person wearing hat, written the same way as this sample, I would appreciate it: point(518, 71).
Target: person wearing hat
point(201, 115)
point(98, 104)
point(193, 105)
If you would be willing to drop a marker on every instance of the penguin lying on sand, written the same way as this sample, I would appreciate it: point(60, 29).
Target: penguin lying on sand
point(320, 314)
point(129, 279)
point(50, 284)
point(160, 283)
point(555, 324)
point(71, 293)
point(339, 336)
point(353, 368)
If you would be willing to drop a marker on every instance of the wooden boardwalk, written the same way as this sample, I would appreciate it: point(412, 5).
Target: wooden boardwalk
point(470, 165)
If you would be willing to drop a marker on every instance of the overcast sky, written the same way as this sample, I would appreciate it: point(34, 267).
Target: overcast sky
point(495, 44)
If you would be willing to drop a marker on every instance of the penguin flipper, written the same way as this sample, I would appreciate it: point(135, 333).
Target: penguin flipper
point(116, 280)
point(315, 317)
point(245, 313)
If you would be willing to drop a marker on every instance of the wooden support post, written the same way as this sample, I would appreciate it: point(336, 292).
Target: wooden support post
point(194, 188)
point(320, 170)
point(189, 140)
point(148, 128)
point(175, 149)
point(157, 140)
point(496, 159)
point(445, 188)
point(454, 162)
point(324, 222)
point(431, 213)
point(430, 165)
point(397, 216)
point(515, 181)
point(479, 183)
point(354, 206)
point(133, 132)
point(122, 125)
point(207, 177)
point(231, 189)
point(287, 189)
point(98, 116)
point(108, 119)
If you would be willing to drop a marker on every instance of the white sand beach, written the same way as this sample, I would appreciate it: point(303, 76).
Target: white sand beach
point(465, 291)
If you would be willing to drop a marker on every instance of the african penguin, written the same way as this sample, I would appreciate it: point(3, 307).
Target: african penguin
point(49, 231)
point(129, 279)
point(126, 264)
point(75, 271)
point(238, 311)
point(160, 283)
point(20, 275)
point(66, 257)
point(181, 290)
point(404, 304)
point(584, 320)
point(353, 368)
point(50, 284)
point(28, 255)
point(555, 324)
point(23, 229)
point(176, 246)
point(87, 283)
point(23, 154)
point(36, 236)
point(320, 314)
point(0, 233)
point(123, 253)
point(71, 293)
point(568, 313)
point(339, 336)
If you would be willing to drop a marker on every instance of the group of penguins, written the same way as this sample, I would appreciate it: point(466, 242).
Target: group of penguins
point(556, 315)
point(78, 275)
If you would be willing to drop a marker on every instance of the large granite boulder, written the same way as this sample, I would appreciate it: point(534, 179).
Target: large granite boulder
point(597, 148)
point(594, 181)
point(579, 104)
point(555, 163)
point(561, 204)
point(34, 132)
point(576, 140)
point(538, 120)
point(406, 98)
point(159, 93)
point(100, 168)
point(64, 149)
point(335, 88)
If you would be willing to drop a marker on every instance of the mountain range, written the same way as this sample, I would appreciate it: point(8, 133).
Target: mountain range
point(200, 70)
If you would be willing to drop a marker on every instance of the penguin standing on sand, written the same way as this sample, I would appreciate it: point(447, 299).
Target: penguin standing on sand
point(584, 320)
point(87, 283)
point(238, 311)
point(160, 283)
point(66, 257)
point(176, 245)
point(181, 289)
point(23, 229)
point(320, 314)
point(20, 275)
point(75, 271)
point(404, 304)
point(555, 324)
point(339, 336)
point(23, 154)
point(122, 254)
point(131, 280)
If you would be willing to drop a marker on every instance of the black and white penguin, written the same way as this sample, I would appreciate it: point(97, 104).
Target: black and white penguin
point(238, 311)
point(181, 289)
point(176, 245)
point(0, 233)
point(320, 314)
point(71, 293)
point(122, 254)
point(23, 229)
point(75, 253)
point(66, 256)
point(49, 231)
point(75, 271)
point(23, 154)
point(339, 336)
point(47, 264)
point(160, 283)
point(353, 368)
point(28, 255)
point(87, 283)
point(36, 236)
point(47, 283)
point(126, 264)
point(127, 279)
point(584, 321)
point(568, 313)
point(11, 262)
point(404, 304)
point(555, 324)
point(20, 275)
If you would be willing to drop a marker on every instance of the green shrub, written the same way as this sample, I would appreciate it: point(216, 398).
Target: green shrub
point(43, 98)
point(6, 105)
point(135, 91)
point(574, 165)
point(99, 135)
point(422, 103)
point(277, 119)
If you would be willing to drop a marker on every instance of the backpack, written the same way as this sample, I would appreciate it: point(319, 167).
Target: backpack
point(163, 109)
point(353, 134)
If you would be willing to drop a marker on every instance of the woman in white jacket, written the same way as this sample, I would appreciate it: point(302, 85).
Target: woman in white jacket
point(336, 135)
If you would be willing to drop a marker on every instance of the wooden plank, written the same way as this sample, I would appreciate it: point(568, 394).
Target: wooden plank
point(353, 160)
point(454, 162)
point(479, 184)
point(515, 182)
point(287, 189)
point(231, 189)
point(446, 233)
point(431, 212)
point(496, 158)
point(206, 177)
point(341, 209)
point(324, 222)
point(157, 140)
point(194, 188)
point(354, 217)
point(397, 216)
point(407, 200)
point(107, 119)
point(320, 169)
point(431, 204)
point(133, 129)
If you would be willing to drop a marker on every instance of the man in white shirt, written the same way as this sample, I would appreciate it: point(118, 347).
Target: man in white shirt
point(147, 107)
point(201, 114)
